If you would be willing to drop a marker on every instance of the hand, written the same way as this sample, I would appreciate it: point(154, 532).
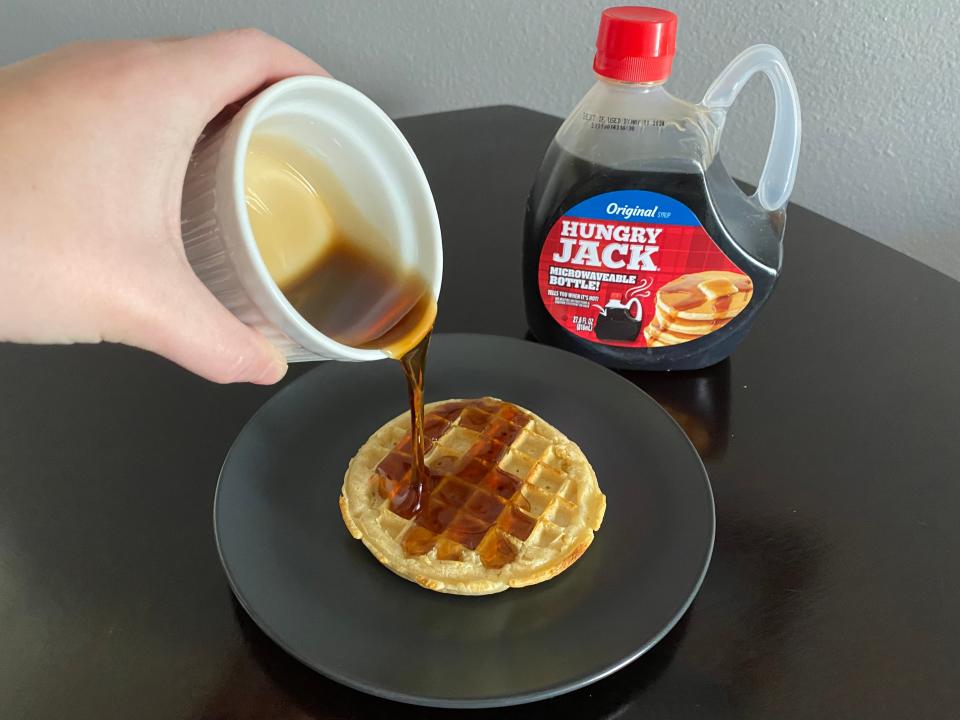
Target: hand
point(94, 142)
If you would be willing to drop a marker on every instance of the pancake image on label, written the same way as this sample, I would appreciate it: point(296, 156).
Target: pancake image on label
point(510, 500)
point(697, 304)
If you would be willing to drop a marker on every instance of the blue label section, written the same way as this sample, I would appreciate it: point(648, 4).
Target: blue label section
point(635, 206)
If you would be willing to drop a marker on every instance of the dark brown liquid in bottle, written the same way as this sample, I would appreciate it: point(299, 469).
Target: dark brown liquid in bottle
point(357, 299)
point(748, 236)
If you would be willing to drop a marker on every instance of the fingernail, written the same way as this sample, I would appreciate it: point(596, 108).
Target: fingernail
point(273, 371)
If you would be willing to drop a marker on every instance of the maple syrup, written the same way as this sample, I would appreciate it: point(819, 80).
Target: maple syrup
point(615, 339)
point(336, 270)
point(467, 496)
point(640, 251)
point(414, 365)
point(327, 297)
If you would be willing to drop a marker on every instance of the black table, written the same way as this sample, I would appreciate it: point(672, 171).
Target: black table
point(831, 438)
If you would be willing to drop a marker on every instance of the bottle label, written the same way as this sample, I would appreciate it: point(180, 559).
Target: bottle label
point(634, 268)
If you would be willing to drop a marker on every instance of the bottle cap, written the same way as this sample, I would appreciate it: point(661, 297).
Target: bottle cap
point(636, 44)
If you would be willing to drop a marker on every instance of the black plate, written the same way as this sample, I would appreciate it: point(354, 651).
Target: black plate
point(325, 599)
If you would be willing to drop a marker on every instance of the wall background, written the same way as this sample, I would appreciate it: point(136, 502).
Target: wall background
point(879, 80)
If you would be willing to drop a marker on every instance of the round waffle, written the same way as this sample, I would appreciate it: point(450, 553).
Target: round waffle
point(512, 501)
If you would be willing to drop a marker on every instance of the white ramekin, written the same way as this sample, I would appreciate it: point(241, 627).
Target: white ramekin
point(374, 164)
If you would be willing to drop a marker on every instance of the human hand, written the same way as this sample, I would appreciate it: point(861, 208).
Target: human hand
point(94, 143)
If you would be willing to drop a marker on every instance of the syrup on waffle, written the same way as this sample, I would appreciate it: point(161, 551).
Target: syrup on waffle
point(475, 503)
point(504, 491)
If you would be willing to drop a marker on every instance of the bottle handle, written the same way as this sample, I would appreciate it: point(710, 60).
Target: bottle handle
point(634, 302)
point(780, 168)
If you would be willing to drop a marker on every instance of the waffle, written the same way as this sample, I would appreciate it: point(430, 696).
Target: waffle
point(512, 501)
point(694, 305)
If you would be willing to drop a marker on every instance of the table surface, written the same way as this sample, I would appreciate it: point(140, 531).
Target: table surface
point(831, 439)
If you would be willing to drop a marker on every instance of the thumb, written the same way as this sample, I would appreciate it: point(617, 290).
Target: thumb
point(202, 336)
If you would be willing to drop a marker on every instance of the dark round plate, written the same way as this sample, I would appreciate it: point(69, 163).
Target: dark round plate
point(326, 600)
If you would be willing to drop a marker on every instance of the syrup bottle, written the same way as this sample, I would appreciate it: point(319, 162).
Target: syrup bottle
point(640, 251)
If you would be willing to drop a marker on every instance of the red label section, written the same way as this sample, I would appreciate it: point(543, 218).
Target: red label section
point(638, 283)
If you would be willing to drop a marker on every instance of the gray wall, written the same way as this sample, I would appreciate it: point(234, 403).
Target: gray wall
point(879, 81)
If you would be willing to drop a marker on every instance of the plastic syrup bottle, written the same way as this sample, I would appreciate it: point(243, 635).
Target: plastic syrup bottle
point(640, 251)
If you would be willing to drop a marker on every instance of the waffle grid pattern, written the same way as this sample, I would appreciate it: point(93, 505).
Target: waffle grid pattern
point(498, 487)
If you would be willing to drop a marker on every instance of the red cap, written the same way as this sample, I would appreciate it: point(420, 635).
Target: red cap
point(636, 44)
